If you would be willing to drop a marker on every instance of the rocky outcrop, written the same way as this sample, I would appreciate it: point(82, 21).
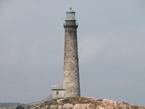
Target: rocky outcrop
point(53, 106)
point(67, 106)
point(83, 103)
point(59, 101)
point(82, 106)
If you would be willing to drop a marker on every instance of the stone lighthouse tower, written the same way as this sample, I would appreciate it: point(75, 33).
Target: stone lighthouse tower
point(71, 82)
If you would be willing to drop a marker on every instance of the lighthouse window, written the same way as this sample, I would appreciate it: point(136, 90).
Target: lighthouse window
point(57, 93)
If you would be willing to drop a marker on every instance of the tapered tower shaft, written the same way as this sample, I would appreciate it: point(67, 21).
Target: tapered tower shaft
point(71, 82)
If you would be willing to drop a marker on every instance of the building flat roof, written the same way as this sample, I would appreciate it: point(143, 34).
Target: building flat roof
point(54, 87)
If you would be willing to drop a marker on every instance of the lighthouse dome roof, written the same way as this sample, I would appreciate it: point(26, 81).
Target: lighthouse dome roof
point(70, 11)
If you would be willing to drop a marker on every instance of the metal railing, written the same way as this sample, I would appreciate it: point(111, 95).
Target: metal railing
point(64, 24)
point(38, 102)
point(70, 19)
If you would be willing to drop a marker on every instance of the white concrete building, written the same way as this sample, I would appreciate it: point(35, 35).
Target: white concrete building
point(57, 91)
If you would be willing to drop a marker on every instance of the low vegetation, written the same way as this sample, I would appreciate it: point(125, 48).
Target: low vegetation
point(20, 107)
point(91, 103)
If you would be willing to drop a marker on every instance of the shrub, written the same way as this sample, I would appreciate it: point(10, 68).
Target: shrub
point(20, 107)
point(52, 102)
point(75, 100)
point(135, 106)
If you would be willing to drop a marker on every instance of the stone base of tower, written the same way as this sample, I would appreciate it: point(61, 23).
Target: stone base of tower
point(70, 93)
point(71, 81)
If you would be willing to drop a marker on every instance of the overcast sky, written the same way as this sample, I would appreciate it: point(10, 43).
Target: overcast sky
point(111, 44)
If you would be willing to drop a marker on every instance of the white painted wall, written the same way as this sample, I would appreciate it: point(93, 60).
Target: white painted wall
point(60, 93)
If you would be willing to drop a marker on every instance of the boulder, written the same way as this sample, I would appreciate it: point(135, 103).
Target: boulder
point(53, 106)
point(45, 107)
point(60, 107)
point(100, 107)
point(40, 108)
point(67, 106)
point(109, 103)
point(60, 101)
point(82, 106)
point(77, 106)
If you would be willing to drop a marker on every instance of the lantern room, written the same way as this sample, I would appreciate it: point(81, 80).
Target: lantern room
point(70, 15)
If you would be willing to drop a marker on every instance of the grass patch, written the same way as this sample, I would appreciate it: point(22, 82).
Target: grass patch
point(134, 106)
point(70, 100)
point(76, 100)
point(125, 103)
point(51, 102)
point(20, 107)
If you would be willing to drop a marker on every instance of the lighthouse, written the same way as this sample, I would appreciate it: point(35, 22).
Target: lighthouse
point(71, 81)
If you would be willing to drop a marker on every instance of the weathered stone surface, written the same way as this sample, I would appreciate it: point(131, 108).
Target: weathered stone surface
point(89, 103)
point(67, 106)
point(45, 107)
point(100, 107)
point(53, 107)
point(140, 107)
point(40, 108)
point(59, 101)
point(109, 103)
point(71, 82)
point(82, 106)
point(60, 107)
point(77, 106)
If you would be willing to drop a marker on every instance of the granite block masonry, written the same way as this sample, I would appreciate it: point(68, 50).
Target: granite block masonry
point(71, 82)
